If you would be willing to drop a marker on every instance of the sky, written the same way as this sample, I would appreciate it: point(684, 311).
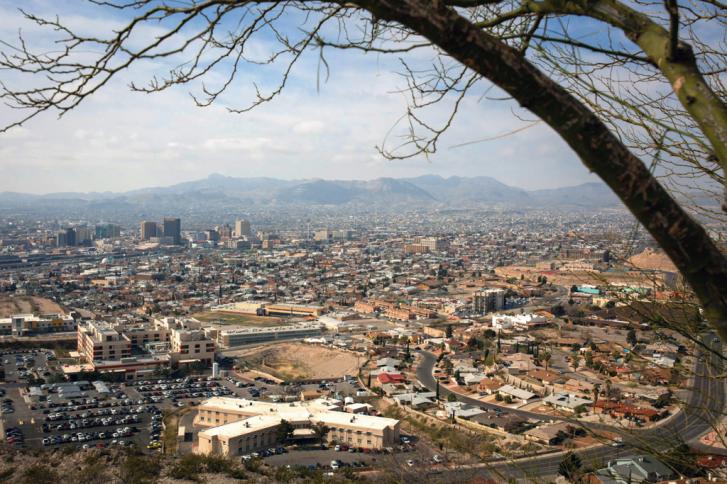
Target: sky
point(119, 140)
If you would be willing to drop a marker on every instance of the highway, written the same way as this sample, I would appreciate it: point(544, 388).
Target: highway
point(706, 404)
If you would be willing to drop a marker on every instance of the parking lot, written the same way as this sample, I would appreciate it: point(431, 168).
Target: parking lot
point(98, 414)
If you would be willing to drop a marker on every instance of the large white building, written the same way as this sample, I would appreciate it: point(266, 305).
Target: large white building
point(517, 322)
point(237, 426)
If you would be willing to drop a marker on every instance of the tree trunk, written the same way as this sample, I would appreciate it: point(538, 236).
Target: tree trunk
point(684, 240)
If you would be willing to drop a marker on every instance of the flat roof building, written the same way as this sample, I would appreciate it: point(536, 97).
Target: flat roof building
point(241, 336)
point(239, 426)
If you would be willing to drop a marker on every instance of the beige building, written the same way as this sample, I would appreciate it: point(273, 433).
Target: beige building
point(238, 426)
point(98, 340)
point(242, 228)
point(148, 230)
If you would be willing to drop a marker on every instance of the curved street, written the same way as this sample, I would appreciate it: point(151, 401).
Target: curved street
point(706, 404)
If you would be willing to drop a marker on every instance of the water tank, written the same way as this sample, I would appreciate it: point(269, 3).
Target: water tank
point(348, 401)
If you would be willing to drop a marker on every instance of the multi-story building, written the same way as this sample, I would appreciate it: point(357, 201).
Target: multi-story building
point(238, 426)
point(148, 230)
point(98, 340)
point(70, 237)
point(241, 336)
point(191, 346)
point(30, 324)
point(108, 231)
point(173, 229)
point(242, 229)
point(489, 300)
point(84, 236)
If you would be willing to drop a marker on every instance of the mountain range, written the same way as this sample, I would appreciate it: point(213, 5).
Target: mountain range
point(427, 191)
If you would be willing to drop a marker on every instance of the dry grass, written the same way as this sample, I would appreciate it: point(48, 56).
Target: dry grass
point(10, 305)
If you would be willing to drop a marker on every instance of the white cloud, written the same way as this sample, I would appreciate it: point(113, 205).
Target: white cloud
point(309, 127)
point(161, 139)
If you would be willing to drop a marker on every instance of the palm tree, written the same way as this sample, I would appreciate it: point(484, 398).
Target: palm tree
point(608, 388)
point(596, 391)
point(546, 359)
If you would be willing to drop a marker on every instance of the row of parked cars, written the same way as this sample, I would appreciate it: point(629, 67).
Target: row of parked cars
point(90, 436)
point(101, 412)
point(182, 388)
point(264, 453)
point(91, 422)
point(155, 432)
point(14, 436)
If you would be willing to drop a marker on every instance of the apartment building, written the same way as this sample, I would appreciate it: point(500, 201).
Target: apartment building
point(237, 426)
point(489, 300)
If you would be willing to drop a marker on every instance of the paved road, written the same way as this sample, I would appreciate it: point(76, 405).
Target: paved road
point(707, 400)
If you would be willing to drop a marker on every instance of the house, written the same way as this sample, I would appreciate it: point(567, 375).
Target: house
point(505, 421)
point(473, 378)
point(391, 389)
point(462, 410)
point(625, 410)
point(566, 401)
point(489, 385)
point(640, 468)
point(578, 386)
point(516, 393)
point(551, 434)
point(547, 377)
point(388, 362)
point(417, 401)
point(390, 378)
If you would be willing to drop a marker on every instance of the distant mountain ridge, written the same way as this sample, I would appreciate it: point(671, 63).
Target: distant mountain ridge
point(424, 191)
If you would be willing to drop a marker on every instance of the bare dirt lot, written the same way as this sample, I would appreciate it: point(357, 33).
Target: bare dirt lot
point(10, 305)
point(297, 361)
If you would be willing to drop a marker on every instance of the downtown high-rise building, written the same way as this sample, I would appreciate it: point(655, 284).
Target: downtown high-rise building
point(148, 230)
point(107, 231)
point(242, 229)
point(173, 229)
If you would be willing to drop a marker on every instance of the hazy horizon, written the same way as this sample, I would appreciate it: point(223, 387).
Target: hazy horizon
point(302, 179)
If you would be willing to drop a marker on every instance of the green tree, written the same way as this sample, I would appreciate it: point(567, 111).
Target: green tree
point(631, 338)
point(320, 431)
point(449, 331)
point(284, 432)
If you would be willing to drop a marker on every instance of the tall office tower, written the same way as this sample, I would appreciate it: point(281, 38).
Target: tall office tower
point(173, 229)
point(242, 228)
point(107, 231)
point(70, 237)
point(61, 239)
point(83, 235)
point(211, 234)
point(225, 231)
point(148, 230)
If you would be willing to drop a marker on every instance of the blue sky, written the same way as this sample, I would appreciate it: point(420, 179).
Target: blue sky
point(119, 140)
